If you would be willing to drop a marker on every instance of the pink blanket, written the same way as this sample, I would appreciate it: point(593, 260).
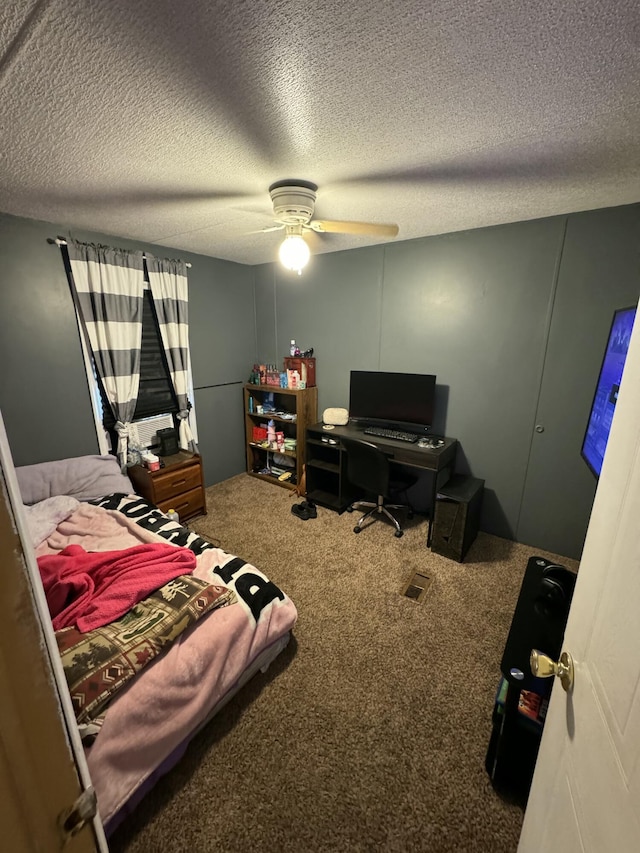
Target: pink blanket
point(92, 589)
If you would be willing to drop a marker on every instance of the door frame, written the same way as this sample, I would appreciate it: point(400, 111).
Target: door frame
point(43, 768)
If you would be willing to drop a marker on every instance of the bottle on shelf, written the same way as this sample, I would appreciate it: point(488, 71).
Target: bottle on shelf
point(271, 432)
point(292, 348)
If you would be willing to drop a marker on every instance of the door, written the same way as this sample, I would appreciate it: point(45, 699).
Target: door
point(598, 273)
point(586, 788)
point(42, 766)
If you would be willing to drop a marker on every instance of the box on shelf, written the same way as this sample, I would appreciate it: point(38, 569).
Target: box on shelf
point(306, 368)
point(259, 434)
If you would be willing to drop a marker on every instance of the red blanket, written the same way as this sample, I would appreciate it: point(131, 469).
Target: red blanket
point(91, 589)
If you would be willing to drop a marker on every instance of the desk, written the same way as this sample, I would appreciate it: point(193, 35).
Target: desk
point(327, 482)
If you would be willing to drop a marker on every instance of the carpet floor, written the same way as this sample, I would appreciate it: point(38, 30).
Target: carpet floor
point(369, 732)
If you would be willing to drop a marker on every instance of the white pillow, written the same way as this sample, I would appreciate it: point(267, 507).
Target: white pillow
point(44, 517)
point(82, 477)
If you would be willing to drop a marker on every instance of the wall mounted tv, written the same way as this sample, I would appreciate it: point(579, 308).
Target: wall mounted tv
point(395, 400)
point(606, 395)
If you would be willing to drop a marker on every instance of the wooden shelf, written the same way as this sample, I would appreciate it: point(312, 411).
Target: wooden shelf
point(271, 478)
point(271, 416)
point(282, 452)
point(302, 404)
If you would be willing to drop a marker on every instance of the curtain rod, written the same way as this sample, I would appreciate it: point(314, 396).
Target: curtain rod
point(60, 241)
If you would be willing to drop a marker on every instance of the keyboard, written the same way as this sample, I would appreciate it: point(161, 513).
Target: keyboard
point(391, 433)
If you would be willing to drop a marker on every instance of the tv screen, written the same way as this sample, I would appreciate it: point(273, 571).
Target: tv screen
point(403, 400)
point(606, 395)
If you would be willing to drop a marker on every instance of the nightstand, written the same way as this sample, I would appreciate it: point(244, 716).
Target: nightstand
point(179, 485)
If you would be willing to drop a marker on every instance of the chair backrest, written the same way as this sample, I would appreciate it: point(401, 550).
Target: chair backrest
point(367, 466)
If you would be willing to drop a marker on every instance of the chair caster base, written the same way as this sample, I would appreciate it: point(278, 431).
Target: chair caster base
point(399, 533)
point(357, 530)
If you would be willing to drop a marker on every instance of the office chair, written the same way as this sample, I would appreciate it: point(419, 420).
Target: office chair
point(368, 468)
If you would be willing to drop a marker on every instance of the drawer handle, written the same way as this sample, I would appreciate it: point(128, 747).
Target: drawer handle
point(178, 482)
point(180, 506)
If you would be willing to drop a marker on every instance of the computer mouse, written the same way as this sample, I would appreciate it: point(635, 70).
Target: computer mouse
point(432, 443)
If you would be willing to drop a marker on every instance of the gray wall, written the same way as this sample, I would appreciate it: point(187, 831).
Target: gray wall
point(44, 396)
point(513, 321)
point(600, 271)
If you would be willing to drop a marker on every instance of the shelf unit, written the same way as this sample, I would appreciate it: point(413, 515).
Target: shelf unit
point(300, 402)
point(327, 481)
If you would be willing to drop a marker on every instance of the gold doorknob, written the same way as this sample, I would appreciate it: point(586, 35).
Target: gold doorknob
point(542, 666)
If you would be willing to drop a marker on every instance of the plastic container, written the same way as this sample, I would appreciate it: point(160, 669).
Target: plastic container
point(292, 348)
point(172, 514)
point(152, 461)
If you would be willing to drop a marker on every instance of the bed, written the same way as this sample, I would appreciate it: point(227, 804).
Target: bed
point(184, 631)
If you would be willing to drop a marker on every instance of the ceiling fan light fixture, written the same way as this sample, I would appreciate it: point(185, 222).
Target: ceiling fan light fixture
point(293, 208)
point(293, 201)
point(294, 253)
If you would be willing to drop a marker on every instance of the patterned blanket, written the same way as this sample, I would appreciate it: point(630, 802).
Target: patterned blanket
point(99, 663)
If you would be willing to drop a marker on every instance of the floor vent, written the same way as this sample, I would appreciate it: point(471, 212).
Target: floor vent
point(417, 586)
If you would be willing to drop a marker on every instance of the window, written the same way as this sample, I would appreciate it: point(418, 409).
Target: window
point(155, 395)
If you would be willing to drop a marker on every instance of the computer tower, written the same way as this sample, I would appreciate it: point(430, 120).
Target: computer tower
point(456, 518)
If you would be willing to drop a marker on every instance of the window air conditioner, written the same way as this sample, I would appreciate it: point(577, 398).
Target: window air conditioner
point(144, 433)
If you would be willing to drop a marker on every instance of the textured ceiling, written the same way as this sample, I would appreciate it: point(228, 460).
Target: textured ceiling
point(166, 122)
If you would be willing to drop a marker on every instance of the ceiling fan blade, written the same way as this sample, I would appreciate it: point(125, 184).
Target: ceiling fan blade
point(331, 227)
point(313, 240)
point(267, 229)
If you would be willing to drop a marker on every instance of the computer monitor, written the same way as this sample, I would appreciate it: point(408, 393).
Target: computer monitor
point(606, 393)
point(394, 400)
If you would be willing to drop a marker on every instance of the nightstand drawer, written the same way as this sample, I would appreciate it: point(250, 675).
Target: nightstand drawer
point(186, 505)
point(177, 486)
point(168, 484)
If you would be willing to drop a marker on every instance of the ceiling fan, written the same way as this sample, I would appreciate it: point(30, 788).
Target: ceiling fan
point(293, 208)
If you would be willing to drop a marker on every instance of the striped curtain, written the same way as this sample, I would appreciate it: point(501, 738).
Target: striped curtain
point(109, 288)
point(168, 284)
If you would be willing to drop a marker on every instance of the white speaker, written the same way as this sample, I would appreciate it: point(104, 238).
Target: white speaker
point(336, 417)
